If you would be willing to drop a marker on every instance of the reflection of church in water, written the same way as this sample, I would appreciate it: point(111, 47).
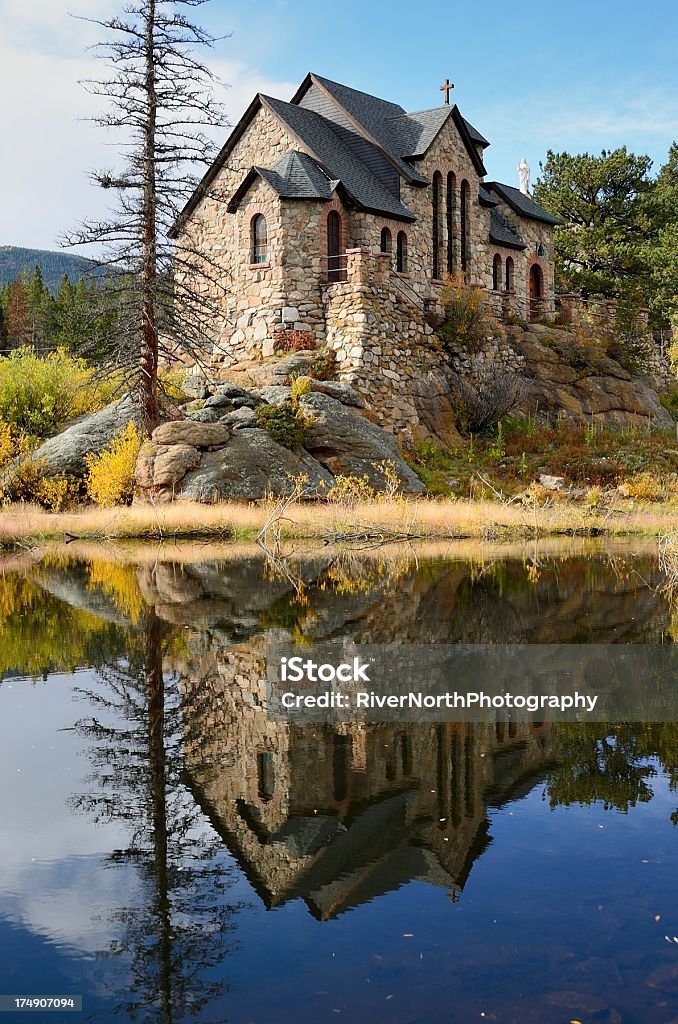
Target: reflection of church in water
point(340, 815)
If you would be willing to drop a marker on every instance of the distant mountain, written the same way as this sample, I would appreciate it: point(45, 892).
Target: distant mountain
point(53, 265)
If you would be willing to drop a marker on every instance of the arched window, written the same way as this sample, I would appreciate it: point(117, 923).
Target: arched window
point(451, 211)
point(341, 754)
point(509, 274)
point(386, 243)
point(335, 270)
point(265, 776)
point(401, 253)
point(435, 239)
point(465, 216)
point(496, 273)
point(259, 240)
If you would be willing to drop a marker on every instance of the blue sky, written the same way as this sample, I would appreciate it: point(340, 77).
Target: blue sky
point(577, 76)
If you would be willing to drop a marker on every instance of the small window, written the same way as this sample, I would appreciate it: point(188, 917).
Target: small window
point(496, 273)
point(509, 274)
point(401, 253)
point(259, 240)
point(386, 243)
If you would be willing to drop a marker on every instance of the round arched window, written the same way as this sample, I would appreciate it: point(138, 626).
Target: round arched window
point(496, 273)
point(259, 240)
point(509, 274)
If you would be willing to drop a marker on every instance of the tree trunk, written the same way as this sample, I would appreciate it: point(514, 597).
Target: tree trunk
point(148, 382)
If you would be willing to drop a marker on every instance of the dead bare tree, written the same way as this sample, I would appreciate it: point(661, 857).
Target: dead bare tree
point(160, 97)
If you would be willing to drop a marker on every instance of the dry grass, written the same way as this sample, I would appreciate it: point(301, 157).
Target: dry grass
point(395, 520)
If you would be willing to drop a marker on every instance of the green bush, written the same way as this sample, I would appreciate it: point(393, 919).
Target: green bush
point(285, 423)
point(39, 395)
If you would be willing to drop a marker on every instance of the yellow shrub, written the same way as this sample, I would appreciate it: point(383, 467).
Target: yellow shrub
point(39, 394)
point(300, 386)
point(110, 480)
point(349, 491)
point(55, 492)
point(644, 487)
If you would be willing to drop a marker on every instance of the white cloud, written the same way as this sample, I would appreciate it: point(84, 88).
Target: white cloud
point(51, 150)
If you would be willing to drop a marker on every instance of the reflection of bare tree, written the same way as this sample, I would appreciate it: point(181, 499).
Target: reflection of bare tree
point(178, 932)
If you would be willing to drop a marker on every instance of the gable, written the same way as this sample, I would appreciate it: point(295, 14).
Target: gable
point(382, 168)
point(258, 137)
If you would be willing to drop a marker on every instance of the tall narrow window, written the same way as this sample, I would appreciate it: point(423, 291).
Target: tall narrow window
point(435, 240)
point(509, 274)
point(259, 240)
point(335, 270)
point(451, 227)
point(341, 754)
point(265, 776)
point(496, 273)
point(465, 189)
point(386, 243)
point(401, 253)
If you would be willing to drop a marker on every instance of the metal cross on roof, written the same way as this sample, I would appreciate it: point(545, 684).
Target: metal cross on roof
point(447, 88)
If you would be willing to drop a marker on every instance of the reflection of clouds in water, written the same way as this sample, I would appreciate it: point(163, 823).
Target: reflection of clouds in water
point(70, 902)
point(52, 882)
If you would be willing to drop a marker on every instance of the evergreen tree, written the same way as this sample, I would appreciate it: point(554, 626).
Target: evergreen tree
point(17, 316)
point(603, 201)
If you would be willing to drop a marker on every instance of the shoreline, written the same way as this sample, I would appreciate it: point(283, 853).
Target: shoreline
point(393, 520)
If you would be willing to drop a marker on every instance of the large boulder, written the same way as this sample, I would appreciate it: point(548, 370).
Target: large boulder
point(251, 466)
point(198, 435)
point(561, 383)
point(348, 444)
point(66, 452)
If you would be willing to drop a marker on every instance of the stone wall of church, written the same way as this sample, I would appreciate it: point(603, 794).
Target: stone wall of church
point(254, 301)
point(289, 291)
point(535, 234)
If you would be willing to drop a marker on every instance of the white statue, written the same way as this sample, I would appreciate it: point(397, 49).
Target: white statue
point(524, 174)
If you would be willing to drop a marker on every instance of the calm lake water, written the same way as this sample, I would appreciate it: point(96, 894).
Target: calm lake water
point(170, 854)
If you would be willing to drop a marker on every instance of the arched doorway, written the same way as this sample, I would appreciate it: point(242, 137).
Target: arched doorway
point(536, 289)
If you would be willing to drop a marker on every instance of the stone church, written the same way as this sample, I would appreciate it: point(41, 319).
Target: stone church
point(339, 215)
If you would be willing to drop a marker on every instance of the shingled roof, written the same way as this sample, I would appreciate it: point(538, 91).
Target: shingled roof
point(317, 133)
point(374, 115)
point(359, 143)
point(501, 232)
point(295, 176)
point(521, 204)
point(399, 134)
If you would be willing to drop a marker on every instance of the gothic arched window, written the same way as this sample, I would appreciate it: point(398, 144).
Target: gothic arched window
point(259, 239)
point(435, 239)
point(465, 217)
point(451, 211)
point(335, 270)
point(401, 253)
point(496, 273)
